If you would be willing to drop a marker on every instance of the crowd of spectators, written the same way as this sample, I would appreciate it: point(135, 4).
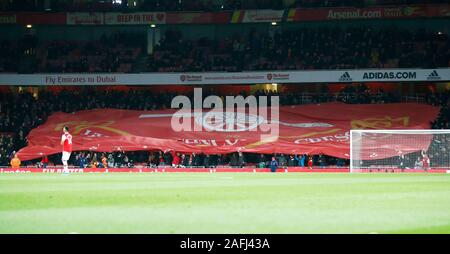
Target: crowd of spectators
point(189, 5)
point(13, 52)
point(303, 48)
point(115, 53)
point(21, 112)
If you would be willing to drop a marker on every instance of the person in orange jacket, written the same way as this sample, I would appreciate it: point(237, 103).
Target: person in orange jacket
point(15, 162)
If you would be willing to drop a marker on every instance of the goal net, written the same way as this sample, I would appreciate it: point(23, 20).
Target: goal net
point(399, 150)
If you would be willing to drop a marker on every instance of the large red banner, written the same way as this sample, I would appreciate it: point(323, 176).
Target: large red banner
point(312, 129)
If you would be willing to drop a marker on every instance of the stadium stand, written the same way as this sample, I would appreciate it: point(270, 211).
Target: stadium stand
point(304, 47)
point(321, 48)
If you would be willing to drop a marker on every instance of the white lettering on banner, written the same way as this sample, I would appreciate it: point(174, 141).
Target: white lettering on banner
point(201, 142)
point(335, 138)
point(210, 142)
point(396, 12)
point(372, 13)
point(42, 170)
point(251, 16)
point(7, 18)
point(84, 18)
point(59, 170)
point(135, 18)
point(354, 14)
point(12, 170)
point(211, 78)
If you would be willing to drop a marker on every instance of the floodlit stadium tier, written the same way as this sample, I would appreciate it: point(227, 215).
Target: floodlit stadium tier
point(399, 150)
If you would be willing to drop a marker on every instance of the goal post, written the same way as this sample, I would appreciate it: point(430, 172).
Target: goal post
point(399, 150)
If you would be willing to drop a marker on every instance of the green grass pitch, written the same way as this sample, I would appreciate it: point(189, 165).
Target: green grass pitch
point(225, 203)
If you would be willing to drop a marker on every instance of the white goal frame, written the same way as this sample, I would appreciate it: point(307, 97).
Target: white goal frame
point(409, 131)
